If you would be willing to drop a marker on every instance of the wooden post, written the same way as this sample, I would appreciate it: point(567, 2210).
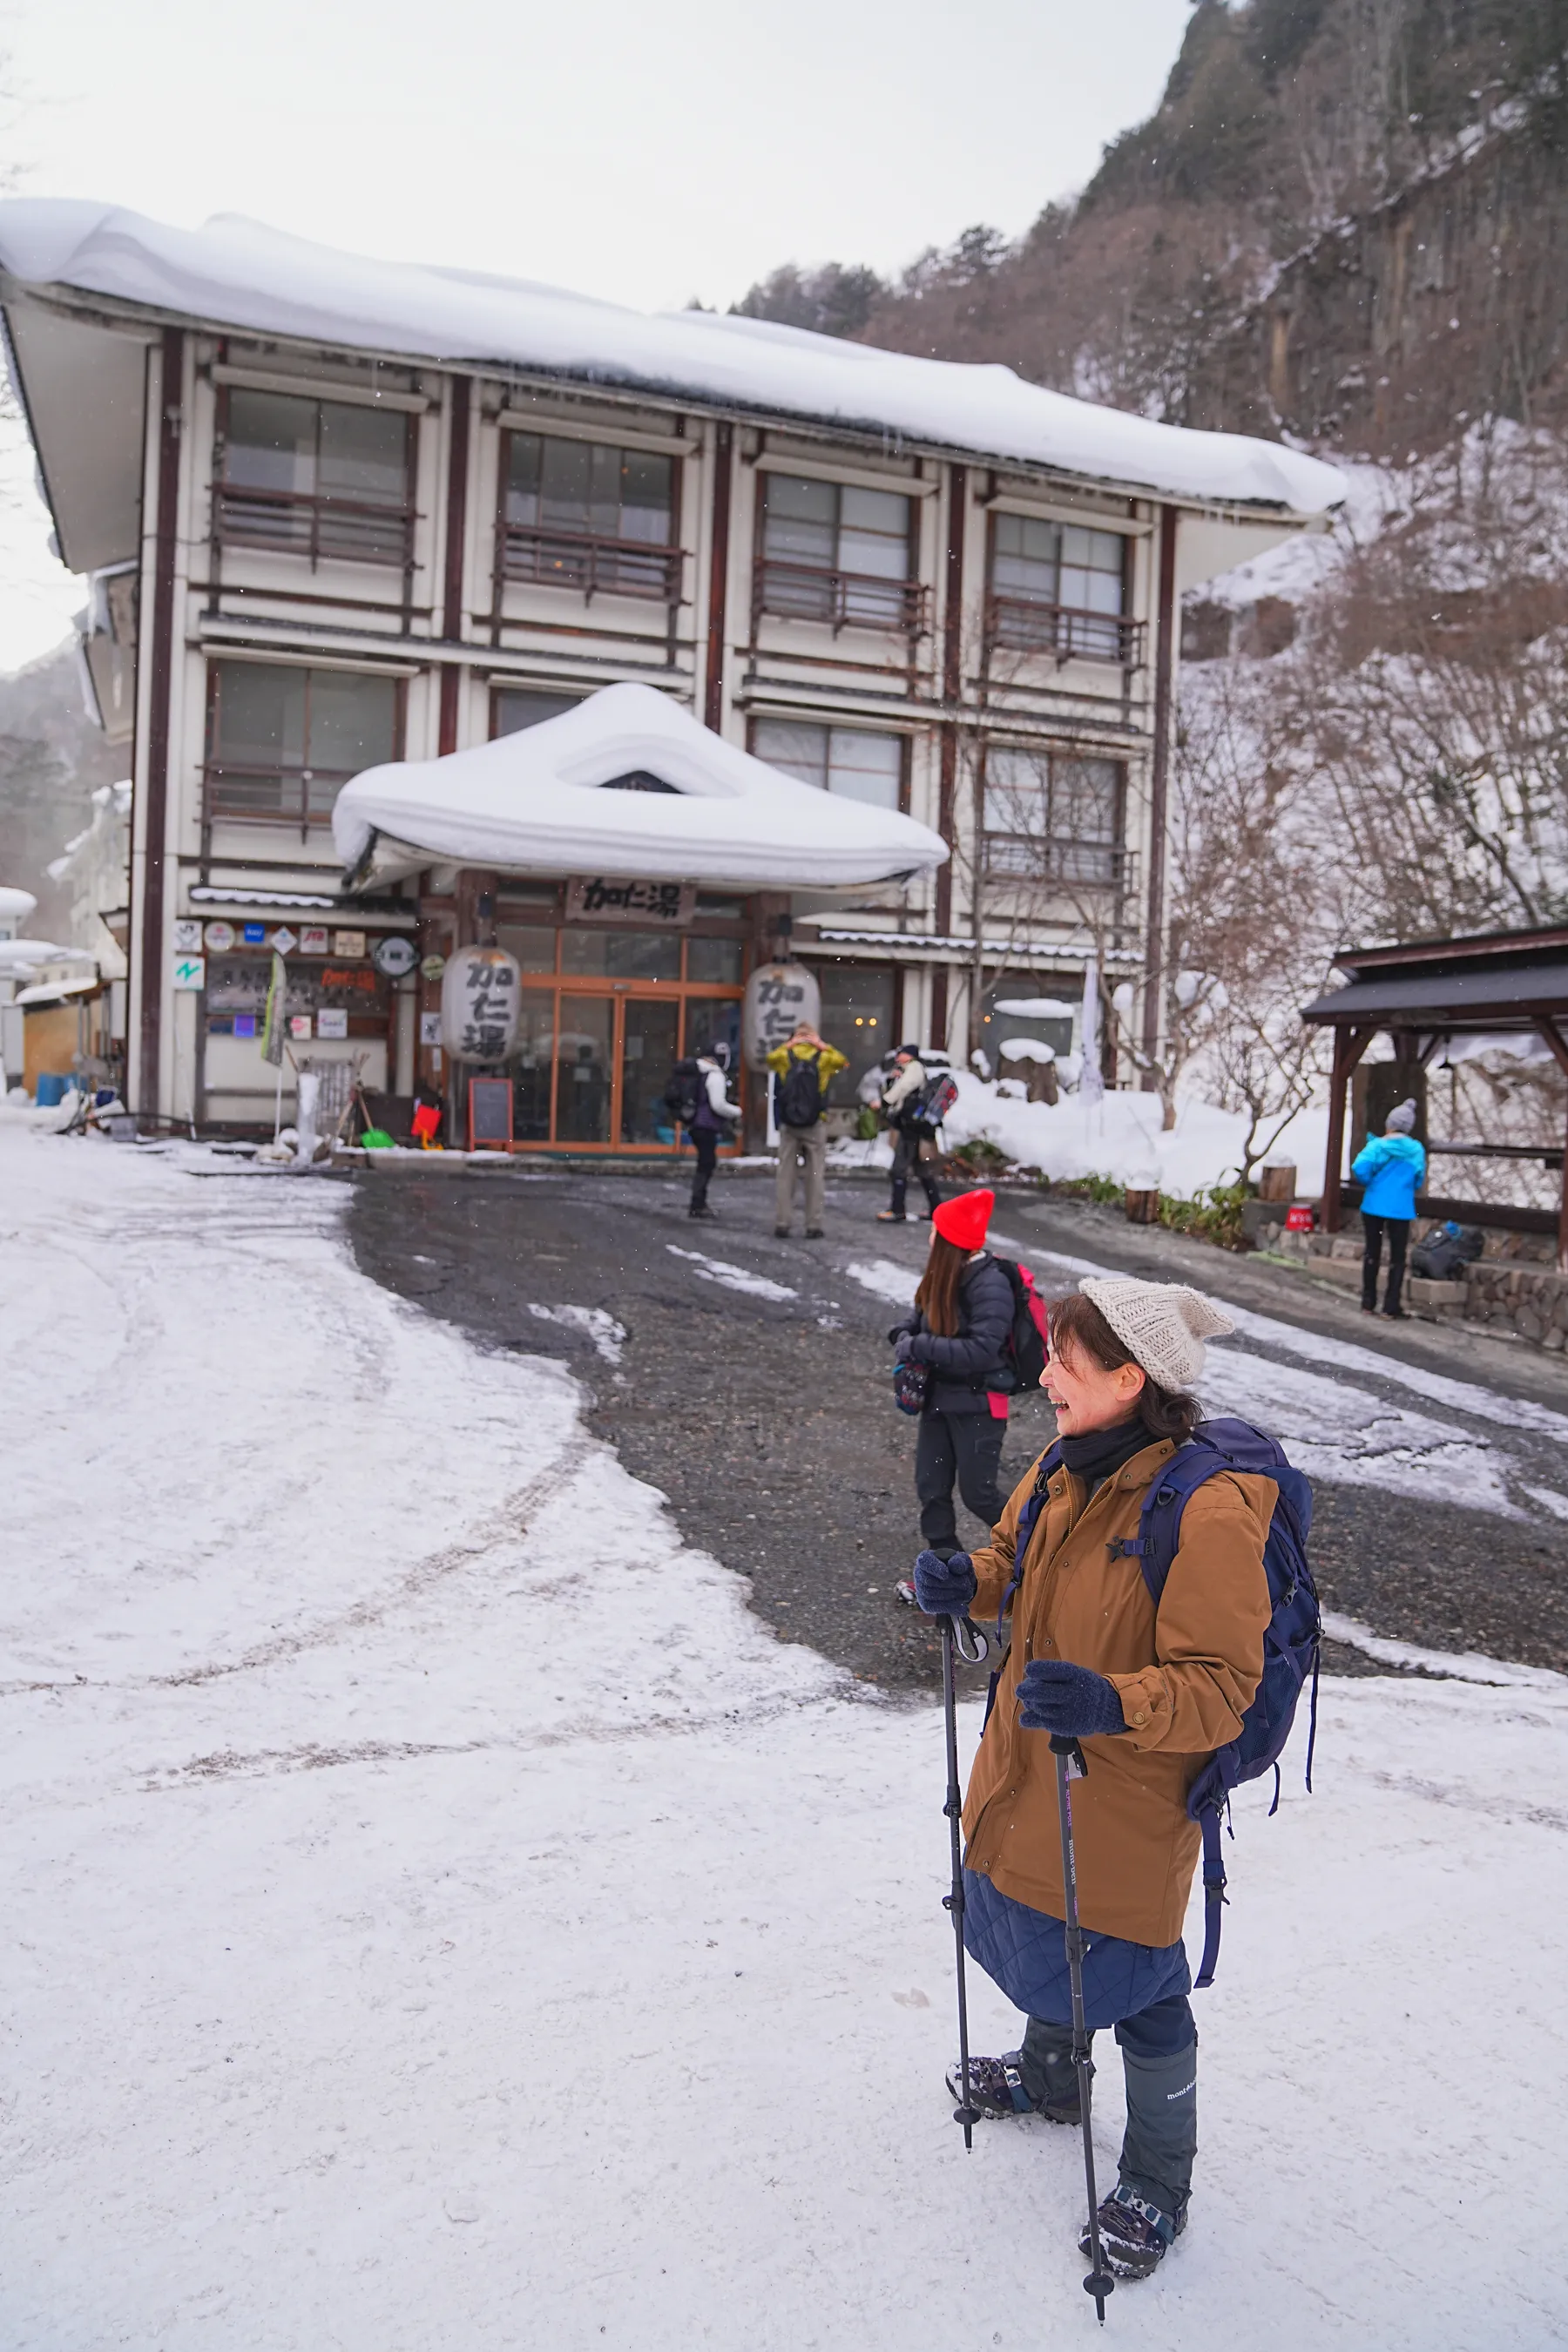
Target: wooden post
point(1349, 1045)
point(1554, 1036)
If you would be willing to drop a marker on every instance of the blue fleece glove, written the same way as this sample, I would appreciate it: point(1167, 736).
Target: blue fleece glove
point(944, 1587)
point(1055, 1696)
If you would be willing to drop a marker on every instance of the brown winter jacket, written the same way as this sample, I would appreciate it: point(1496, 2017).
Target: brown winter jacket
point(1184, 1679)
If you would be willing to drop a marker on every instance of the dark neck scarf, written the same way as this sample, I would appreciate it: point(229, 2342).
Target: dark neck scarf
point(1098, 1453)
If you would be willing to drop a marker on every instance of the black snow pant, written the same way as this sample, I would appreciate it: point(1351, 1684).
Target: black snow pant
point(1372, 1228)
point(706, 1140)
point(964, 1448)
point(907, 1163)
point(1160, 2060)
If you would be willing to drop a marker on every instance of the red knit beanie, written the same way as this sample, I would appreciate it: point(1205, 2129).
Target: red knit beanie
point(963, 1221)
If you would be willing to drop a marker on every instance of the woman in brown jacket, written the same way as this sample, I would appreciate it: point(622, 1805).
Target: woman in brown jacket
point(1150, 1694)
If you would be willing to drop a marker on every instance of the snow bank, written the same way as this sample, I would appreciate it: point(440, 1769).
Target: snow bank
point(1120, 1137)
point(241, 273)
point(438, 1904)
point(544, 798)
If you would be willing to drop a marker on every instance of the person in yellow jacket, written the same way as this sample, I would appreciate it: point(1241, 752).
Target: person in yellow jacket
point(803, 1071)
point(1150, 1693)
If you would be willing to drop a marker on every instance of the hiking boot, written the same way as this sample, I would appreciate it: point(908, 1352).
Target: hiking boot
point(814, 1234)
point(996, 2088)
point(1134, 2236)
point(781, 1232)
point(891, 1217)
point(699, 1208)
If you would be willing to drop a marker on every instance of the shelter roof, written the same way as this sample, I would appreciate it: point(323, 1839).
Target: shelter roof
point(1495, 980)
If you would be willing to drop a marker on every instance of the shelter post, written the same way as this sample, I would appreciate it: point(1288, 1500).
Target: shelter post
point(1553, 1037)
point(1349, 1045)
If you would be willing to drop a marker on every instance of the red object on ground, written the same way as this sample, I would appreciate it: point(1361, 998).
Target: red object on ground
point(1301, 1218)
point(963, 1221)
point(425, 1120)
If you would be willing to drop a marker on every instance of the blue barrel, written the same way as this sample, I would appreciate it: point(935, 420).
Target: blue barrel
point(53, 1087)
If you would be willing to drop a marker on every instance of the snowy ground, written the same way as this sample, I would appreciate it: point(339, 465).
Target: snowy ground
point(443, 1916)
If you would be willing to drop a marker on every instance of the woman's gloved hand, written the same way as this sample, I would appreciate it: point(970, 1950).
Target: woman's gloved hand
point(944, 1587)
point(1055, 1696)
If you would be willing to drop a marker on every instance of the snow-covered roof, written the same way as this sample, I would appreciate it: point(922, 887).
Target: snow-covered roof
point(544, 802)
point(239, 273)
point(15, 905)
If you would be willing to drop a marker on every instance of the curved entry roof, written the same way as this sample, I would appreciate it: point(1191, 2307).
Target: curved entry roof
point(626, 784)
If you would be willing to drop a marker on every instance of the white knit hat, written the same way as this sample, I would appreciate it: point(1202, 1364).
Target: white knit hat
point(1164, 1324)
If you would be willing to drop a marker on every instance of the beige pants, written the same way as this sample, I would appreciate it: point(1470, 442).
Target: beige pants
point(807, 1147)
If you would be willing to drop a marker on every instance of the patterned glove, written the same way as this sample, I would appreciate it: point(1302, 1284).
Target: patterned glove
point(1055, 1696)
point(943, 1587)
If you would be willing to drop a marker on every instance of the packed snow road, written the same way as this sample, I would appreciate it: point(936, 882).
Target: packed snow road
point(748, 1382)
point(441, 1913)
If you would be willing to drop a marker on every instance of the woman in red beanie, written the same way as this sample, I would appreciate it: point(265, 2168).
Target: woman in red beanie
point(960, 1329)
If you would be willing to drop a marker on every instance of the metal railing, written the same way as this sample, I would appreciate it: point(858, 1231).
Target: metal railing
point(1071, 864)
point(590, 566)
point(1021, 624)
point(325, 528)
point(281, 795)
point(845, 600)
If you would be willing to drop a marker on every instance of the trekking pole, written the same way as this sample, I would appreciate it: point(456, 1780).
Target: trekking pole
point(955, 1630)
point(1071, 1766)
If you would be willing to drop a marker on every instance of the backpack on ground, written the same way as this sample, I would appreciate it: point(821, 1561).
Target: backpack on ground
point(937, 1100)
point(1028, 1342)
point(1444, 1254)
point(1291, 1642)
point(686, 1090)
point(800, 1092)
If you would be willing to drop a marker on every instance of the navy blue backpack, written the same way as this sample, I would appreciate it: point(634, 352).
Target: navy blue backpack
point(1291, 1643)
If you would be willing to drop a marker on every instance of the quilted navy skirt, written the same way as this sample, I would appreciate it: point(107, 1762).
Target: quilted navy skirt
point(1026, 1952)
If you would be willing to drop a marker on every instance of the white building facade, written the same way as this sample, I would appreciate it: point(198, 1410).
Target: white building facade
point(341, 514)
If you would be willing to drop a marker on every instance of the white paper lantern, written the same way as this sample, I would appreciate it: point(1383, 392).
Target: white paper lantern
point(779, 997)
point(481, 1002)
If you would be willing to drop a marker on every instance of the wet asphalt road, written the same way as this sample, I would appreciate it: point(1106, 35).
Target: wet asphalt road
point(765, 1414)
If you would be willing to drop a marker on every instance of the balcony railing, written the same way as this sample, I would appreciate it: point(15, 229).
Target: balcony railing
point(280, 796)
point(590, 567)
point(327, 529)
point(845, 600)
point(1056, 863)
point(1021, 624)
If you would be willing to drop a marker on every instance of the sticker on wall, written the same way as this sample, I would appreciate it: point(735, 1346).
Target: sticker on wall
point(299, 1027)
point(430, 1029)
point(331, 1022)
point(187, 938)
point(348, 943)
point(190, 971)
point(254, 934)
point(284, 940)
point(313, 938)
point(395, 955)
point(245, 1024)
point(433, 967)
point(218, 937)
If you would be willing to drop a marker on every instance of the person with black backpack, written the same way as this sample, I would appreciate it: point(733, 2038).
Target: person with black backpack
point(696, 1097)
point(959, 1334)
point(904, 1108)
point(803, 1071)
point(1147, 1670)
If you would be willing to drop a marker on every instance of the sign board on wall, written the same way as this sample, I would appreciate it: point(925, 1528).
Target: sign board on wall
point(480, 1004)
point(779, 997)
point(660, 906)
point(187, 936)
point(395, 955)
point(191, 971)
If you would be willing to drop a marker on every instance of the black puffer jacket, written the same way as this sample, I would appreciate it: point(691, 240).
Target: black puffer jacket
point(976, 1364)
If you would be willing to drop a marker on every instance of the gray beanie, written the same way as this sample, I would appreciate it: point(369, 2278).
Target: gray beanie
point(1163, 1324)
point(1401, 1120)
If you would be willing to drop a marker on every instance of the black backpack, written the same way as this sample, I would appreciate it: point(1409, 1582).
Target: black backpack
point(1446, 1252)
point(800, 1092)
point(1027, 1341)
point(684, 1092)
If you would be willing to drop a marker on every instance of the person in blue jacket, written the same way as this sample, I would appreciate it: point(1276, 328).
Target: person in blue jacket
point(1392, 1167)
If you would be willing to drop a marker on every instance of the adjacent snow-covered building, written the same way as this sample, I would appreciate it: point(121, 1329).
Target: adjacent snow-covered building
point(356, 527)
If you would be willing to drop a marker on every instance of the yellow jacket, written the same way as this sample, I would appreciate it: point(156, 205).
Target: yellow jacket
point(828, 1059)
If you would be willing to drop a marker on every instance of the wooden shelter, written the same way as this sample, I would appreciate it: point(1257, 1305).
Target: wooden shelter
point(1502, 985)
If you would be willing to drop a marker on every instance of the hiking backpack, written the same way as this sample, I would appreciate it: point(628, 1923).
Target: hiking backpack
point(1291, 1642)
point(1446, 1254)
point(1028, 1342)
point(937, 1100)
point(685, 1091)
point(800, 1092)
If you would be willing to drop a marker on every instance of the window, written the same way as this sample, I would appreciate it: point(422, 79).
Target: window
point(1051, 817)
point(317, 478)
point(585, 516)
point(283, 741)
point(846, 760)
point(832, 552)
point(514, 709)
point(1058, 588)
point(858, 1008)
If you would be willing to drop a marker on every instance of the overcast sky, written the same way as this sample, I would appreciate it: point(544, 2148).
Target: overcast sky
point(644, 153)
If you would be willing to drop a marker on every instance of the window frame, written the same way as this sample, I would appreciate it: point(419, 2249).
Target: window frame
point(905, 741)
point(838, 589)
point(303, 817)
point(1028, 624)
point(591, 563)
point(245, 519)
point(1049, 872)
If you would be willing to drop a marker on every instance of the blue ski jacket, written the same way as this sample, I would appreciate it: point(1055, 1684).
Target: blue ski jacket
point(1393, 1168)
